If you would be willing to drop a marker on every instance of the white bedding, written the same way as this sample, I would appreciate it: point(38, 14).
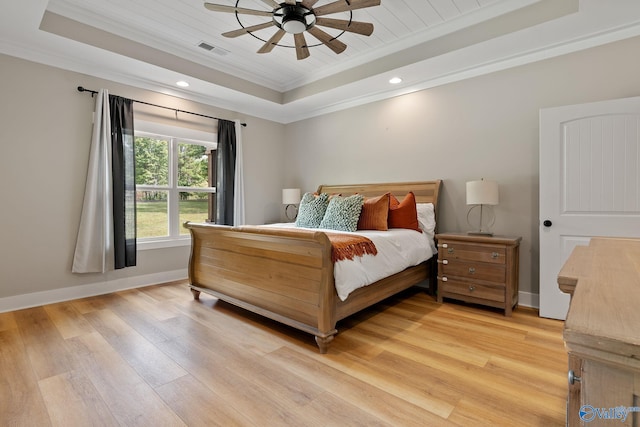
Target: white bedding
point(397, 248)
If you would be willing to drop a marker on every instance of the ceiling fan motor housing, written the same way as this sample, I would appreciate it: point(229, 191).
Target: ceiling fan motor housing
point(294, 19)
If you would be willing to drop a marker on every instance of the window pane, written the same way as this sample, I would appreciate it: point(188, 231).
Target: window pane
point(152, 161)
point(152, 217)
point(194, 207)
point(193, 165)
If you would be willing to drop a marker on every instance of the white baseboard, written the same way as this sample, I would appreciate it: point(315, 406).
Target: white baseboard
point(527, 299)
point(36, 299)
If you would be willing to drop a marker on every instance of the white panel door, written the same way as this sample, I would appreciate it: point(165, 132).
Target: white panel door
point(589, 184)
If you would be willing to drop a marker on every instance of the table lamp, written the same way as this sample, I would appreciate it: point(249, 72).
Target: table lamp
point(482, 194)
point(290, 198)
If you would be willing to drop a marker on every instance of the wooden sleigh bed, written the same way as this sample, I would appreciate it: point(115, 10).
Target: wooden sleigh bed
point(287, 276)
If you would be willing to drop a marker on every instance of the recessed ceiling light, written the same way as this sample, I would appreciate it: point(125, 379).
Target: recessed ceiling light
point(182, 83)
point(395, 80)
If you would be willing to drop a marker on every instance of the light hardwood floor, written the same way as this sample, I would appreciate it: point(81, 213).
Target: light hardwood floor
point(155, 357)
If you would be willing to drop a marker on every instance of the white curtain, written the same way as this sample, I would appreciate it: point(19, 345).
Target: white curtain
point(238, 193)
point(94, 248)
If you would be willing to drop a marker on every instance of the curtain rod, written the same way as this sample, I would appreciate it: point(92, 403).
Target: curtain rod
point(94, 92)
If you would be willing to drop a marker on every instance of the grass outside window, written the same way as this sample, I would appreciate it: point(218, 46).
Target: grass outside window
point(152, 216)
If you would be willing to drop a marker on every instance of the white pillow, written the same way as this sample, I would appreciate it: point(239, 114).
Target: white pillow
point(427, 220)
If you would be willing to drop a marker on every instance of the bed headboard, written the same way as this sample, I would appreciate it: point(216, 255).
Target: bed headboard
point(425, 191)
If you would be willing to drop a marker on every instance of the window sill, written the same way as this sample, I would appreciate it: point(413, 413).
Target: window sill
point(161, 244)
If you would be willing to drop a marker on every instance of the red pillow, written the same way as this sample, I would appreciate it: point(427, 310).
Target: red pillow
point(375, 213)
point(403, 214)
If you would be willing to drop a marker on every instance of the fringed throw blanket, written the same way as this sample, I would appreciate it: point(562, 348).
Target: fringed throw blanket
point(348, 246)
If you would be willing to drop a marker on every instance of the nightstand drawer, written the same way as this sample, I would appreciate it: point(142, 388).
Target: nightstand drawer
point(471, 252)
point(472, 270)
point(485, 292)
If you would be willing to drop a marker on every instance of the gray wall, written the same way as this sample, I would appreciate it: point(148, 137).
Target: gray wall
point(481, 127)
point(45, 132)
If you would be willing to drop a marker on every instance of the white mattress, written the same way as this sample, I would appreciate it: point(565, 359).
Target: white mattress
point(397, 248)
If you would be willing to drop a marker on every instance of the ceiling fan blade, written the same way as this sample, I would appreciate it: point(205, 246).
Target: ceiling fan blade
point(291, 2)
point(309, 3)
point(334, 44)
point(271, 43)
point(241, 31)
point(363, 28)
point(343, 6)
point(302, 51)
point(271, 3)
point(233, 9)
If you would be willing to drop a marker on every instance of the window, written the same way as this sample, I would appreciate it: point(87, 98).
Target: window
point(173, 182)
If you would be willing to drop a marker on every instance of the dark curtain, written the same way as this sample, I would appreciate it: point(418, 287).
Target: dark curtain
point(225, 172)
point(124, 185)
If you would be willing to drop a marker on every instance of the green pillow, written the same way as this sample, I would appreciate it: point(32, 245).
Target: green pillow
point(343, 213)
point(311, 210)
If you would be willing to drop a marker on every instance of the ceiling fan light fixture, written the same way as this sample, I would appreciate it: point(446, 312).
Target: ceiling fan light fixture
point(294, 24)
point(294, 19)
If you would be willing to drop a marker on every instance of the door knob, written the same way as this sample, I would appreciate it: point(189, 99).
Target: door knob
point(547, 223)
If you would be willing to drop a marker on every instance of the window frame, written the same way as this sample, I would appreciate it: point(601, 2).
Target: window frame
point(174, 135)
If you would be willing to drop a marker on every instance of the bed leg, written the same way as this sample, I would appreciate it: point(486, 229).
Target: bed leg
point(323, 343)
point(196, 294)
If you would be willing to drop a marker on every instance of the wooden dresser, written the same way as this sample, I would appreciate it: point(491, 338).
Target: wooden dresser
point(479, 269)
point(602, 332)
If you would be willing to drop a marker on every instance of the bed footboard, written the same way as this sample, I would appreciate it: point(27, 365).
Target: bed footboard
point(285, 275)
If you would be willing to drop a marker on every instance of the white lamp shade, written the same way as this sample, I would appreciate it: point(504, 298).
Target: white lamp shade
point(482, 192)
point(290, 196)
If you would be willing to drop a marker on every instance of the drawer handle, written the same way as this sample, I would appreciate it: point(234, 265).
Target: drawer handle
point(472, 288)
point(450, 250)
point(495, 255)
point(444, 279)
point(472, 270)
point(572, 378)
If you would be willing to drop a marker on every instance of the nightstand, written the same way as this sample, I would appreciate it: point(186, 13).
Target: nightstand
point(479, 269)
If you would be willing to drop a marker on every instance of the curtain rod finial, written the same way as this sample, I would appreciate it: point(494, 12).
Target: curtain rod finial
point(82, 89)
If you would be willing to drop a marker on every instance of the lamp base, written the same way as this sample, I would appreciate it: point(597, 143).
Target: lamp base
point(484, 222)
point(479, 233)
point(295, 212)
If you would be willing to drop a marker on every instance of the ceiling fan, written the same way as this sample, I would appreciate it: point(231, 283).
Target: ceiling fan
point(296, 17)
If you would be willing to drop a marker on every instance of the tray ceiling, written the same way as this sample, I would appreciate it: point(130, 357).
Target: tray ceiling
point(154, 43)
